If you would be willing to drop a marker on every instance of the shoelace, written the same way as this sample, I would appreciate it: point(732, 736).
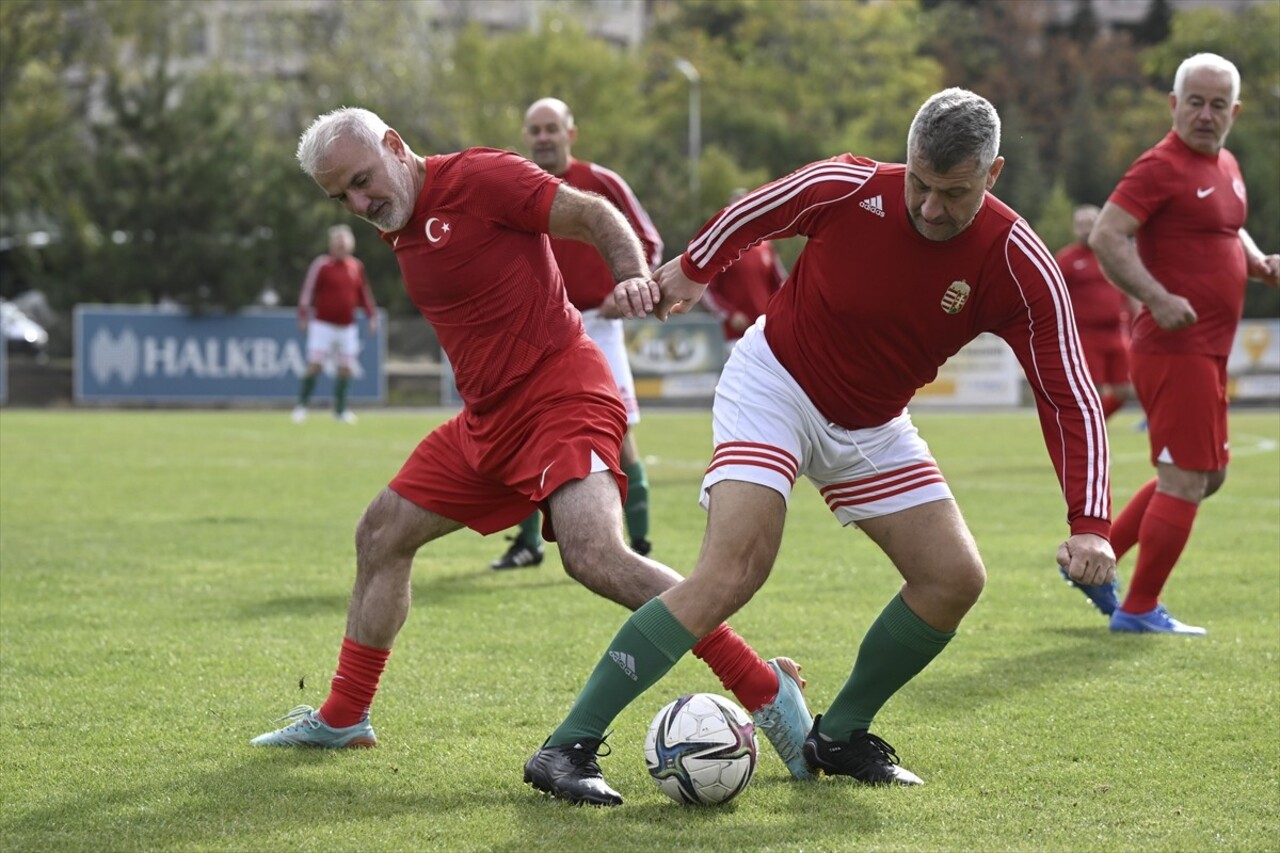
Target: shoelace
point(585, 755)
point(879, 747)
point(300, 714)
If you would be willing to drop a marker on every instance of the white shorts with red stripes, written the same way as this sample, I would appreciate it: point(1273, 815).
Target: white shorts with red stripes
point(766, 431)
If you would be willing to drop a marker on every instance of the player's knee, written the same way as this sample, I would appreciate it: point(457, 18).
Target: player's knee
point(966, 582)
point(1214, 481)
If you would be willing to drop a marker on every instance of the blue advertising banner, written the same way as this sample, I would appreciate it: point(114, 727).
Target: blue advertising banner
point(140, 354)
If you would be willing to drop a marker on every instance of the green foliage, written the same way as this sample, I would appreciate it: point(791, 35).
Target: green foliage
point(1022, 184)
point(173, 581)
point(1054, 222)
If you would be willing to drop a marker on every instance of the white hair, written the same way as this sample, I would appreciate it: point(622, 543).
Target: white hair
point(318, 139)
point(1207, 60)
point(955, 126)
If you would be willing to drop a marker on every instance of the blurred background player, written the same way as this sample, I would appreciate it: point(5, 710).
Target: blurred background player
point(1102, 312)
point(335, 286)
point(1172, 236)
point(738, 294)
point(549, 133)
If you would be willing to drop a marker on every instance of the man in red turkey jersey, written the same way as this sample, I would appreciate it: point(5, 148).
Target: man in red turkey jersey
point(1172, 236)
point(1102, 314)
point(904, 265)
point(549, 133)
point(540, 427)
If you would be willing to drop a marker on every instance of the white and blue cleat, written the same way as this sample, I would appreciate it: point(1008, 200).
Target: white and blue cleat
point(786, 720)
point(308, 729)
point(1156, 621)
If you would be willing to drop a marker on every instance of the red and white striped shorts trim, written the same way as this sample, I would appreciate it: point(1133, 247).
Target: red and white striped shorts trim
point(881, 489)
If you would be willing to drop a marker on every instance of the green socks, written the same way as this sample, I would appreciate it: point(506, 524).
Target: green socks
point(644, 650)
point(308, 387)
point(897, 646)
point(340, 394)
point(637, 508)
point(531, 530)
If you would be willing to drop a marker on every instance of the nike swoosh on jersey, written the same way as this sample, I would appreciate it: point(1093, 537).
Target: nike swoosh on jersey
point(1205, 193)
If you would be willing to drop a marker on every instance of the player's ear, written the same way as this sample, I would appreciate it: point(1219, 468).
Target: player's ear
point(994, 172)
point(394, 143)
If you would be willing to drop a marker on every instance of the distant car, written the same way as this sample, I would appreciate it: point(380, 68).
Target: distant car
point(21, 333)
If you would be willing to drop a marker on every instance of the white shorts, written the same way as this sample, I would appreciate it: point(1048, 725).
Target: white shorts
point(766, 431)
point(609, 336)
point(326, 339)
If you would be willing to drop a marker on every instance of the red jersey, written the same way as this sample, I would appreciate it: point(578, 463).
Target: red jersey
point(586, 275)
point(477, 262)
point(334, 287)
point(745, 287)
point(872, 308)
point(1191, 207)
point(1098, 304)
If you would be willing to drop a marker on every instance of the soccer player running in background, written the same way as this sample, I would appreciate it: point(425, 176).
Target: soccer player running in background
point(904, 265)
point(739, 293)
point(549, 132)
point(335, 286)
point(1172, 236)
point(1102, 314)
point(541, 422)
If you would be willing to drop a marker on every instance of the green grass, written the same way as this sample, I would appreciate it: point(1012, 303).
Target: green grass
point(170, 582)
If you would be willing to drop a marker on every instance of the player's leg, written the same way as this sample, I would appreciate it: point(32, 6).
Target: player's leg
point(936, 555)
point(1185, 399)
point(741, 541)
point(347, 345)
point(637, 506)
point(316, 341)
point(390, 532)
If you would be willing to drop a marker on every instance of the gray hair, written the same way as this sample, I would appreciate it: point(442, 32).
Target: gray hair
point(556, 104)
point(1207, 60)
point(343, 231)
point(953, 127)
point(319, 138)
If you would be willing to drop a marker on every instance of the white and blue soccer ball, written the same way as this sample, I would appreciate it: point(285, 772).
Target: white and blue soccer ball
point(701, 749)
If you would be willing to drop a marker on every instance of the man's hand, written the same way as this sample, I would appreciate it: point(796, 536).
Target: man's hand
point(373, 324)
point(679, 292)
point(1172, 312)
point(1266, 269)
point(1088, 559)
point(633, 297)
point(302, 322)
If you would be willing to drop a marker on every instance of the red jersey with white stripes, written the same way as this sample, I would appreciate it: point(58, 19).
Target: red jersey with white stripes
point(586, 275)
point(1097, 303)
point(334, 288)
point(477, 262)
point(745, 287)
point(872, 308)
point(1191, 207)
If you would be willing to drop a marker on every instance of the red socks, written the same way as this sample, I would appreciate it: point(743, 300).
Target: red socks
point(1124, 531)
point(355, 682)
point(741, 671)
point(1165, 528)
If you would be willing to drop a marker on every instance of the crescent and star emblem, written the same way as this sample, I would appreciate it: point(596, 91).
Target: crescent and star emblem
point(443, 229)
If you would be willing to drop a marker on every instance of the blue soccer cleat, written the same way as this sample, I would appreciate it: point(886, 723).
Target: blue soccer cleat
point(786, 720)
point(1157, 621)
point(307, 729)
point(1104, 596)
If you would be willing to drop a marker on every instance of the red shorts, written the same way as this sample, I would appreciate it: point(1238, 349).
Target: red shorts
point(1106, 351)
point(490, 471)
point(1185, 398)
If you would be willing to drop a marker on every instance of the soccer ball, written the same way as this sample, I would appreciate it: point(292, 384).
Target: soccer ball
point(701, 749)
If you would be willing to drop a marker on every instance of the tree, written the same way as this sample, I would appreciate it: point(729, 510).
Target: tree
point(1023, 184)
point(1087, 176)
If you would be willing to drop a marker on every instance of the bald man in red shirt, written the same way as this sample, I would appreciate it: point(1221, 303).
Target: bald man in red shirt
point(903, 266)
point(1172, 236)
point(541, 424)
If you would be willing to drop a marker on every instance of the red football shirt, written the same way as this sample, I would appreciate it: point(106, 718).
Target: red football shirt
point(586, 275)
point(334, 288)
point(1191, 207)
point(1098, 304)
point(872, 308)
point(477, 262)
point(745, 287)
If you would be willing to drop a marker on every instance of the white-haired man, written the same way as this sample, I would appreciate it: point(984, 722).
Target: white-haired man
point(1172, 236)
point(541, 423)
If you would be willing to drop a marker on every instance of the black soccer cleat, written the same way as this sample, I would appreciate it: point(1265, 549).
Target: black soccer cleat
point(519, 556)
point(572, 773)
point(865, 758)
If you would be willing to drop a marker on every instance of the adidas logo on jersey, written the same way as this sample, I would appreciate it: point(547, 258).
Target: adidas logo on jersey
point(875, 204)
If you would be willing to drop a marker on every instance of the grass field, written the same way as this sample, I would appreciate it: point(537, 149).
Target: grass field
point(170, 582)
